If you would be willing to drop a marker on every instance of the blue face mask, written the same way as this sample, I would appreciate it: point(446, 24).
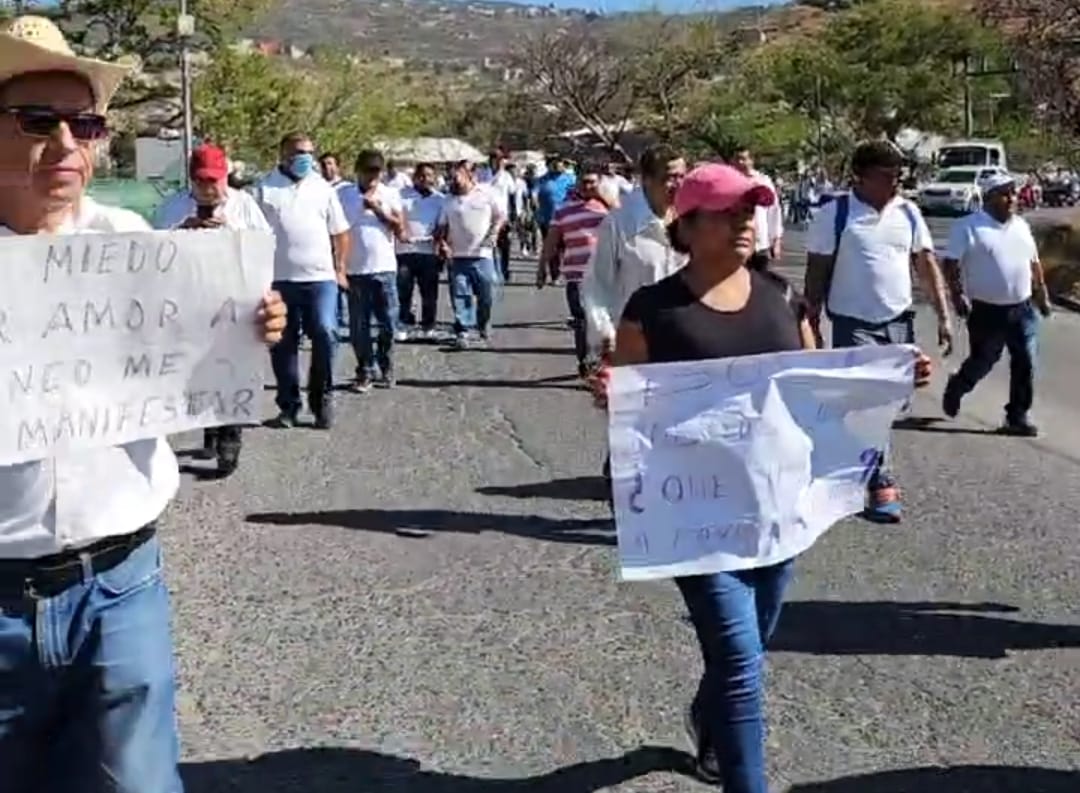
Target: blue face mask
point(300, 165)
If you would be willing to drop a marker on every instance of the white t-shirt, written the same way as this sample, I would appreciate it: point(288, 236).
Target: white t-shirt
point(502, 185)
point(76, 498)
point(303, 216)
point(399, 181)
point(421, 218)
point(239, 212)
point(872, 278)
point(614, 187)
point(372, 240)
point(768, 221)
point(995, 258)
point(469, 219)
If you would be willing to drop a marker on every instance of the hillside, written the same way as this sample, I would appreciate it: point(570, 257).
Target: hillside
point(432, 30)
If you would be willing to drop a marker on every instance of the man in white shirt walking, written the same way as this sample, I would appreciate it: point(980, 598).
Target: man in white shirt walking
point(211, 204)
point(632, 246)
point(497, 177)
point(768, 221)
point(418, 266)
point(395, 177)
point(997, 284)
point(309, 266)
point(330, 167)
point(87, 690)
point(376, 220)
point(471, 220)
point(861, 247)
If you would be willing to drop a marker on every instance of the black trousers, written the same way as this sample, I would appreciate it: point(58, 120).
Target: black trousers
point(502, 244)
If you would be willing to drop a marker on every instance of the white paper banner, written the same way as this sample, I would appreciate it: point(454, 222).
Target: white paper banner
point(109, 338)
point(744, 462)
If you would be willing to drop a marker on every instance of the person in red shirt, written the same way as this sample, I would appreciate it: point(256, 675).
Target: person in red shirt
point(568, 248)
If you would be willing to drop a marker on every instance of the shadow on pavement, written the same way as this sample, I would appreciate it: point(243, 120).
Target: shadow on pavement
point(958, 779)
point(356, 770)
point(578, 488)
point(419, 522)
point(934, 424)
point(562, 381)
point(552, 324)
point(527, 350)
point(823, 627)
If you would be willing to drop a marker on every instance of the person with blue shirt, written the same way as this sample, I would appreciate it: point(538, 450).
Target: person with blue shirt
point(552, 190)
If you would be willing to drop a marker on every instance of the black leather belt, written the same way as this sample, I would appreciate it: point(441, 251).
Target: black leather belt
point(50, 575)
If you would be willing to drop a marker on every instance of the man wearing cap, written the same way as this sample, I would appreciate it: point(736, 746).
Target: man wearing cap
point(87, 695)
point(996, 282)
point(211, 204)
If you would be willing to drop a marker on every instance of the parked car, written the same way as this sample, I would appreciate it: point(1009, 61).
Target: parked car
point(1061, 193)
point(954, 191)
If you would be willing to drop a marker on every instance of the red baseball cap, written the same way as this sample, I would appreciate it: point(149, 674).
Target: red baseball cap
point(209, 162)
point(718, 188)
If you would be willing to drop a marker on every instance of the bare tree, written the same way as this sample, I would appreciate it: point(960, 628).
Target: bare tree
point(1045, 37)
point(582, 71)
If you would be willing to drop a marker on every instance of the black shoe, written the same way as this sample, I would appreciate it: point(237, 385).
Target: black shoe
point(283, 420)
point(706, 764)
point(584, 369)
point(386, 381)
point(324, 415)
point(361, 385)
point(950, 400)
point(1019, 429)
point(228, 455)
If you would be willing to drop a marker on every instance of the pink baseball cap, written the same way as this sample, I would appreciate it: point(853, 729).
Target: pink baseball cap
point(718, 188)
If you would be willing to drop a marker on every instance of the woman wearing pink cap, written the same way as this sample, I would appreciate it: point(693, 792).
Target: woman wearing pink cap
point(717, 307)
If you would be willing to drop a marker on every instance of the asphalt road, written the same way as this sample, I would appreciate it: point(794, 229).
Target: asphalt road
point(320, 651)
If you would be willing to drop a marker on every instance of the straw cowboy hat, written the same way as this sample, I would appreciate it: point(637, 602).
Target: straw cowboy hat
point(31, 44)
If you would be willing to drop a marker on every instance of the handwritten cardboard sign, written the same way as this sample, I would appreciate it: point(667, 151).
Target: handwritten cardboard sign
point(744, 462)
point(108, 338)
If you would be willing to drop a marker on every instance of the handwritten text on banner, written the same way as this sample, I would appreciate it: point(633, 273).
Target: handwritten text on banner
point(743, 462)
point(108, 338)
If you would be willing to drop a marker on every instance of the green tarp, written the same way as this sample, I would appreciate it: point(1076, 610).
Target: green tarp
point(141, 197)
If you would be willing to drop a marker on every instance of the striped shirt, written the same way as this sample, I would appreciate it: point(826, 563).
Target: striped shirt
point(578, 221)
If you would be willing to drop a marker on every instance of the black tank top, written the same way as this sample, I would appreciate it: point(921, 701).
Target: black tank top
point(679, 327)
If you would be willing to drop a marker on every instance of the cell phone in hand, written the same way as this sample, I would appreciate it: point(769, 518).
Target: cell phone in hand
point(204, 212)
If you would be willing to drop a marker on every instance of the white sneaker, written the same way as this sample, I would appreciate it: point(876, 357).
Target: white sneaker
point(401, 336)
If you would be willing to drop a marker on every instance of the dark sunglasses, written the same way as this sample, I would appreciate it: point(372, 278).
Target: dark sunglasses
point(43, 122)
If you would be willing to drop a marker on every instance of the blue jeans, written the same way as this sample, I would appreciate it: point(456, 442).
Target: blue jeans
point(421, 269)
point(373, 298)
point(472, 290)
point(313, 303)
point(851, 332)
point(87, 696)
point(992, 329)
point(734, 615)
point(343, 309)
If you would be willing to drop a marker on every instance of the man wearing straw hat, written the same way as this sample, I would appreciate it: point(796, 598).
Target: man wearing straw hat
point(86, 671)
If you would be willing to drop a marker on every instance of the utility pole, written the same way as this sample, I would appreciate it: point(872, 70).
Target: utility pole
point(968, 73)
point(820, 123)
point(185, 29)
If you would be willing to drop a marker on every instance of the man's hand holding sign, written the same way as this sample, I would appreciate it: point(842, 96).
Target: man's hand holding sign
point(143, 335)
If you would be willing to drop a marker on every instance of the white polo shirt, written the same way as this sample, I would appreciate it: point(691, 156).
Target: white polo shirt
point(469, 219)
point(421, 219)
point(78, 498)
point(373, 242)
point(303, 216)
point(995, 258)
point(872, 278)
point(239, 212)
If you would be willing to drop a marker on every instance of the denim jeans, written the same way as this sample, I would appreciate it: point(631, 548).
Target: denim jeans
point(87, 695)
point(421, 270)
point(734, 615)
point(343, 309)
point(851, 332)
point(472, 290)
point(577, 312)
point(502, 246)
point(313, 303)
point(992, 329)
point(373, 298)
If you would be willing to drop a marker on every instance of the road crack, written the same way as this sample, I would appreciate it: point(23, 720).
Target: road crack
point(511, 431)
